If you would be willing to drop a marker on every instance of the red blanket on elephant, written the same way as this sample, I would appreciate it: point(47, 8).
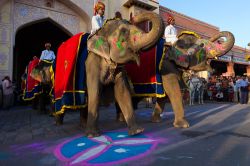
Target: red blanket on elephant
point(69, 84)
point(146, 78)
point(32, 87)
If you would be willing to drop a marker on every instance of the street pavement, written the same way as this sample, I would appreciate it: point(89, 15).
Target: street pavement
point(219, 135)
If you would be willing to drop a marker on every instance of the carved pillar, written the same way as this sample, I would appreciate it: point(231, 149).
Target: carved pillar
point(248, 70)
point(230, 69)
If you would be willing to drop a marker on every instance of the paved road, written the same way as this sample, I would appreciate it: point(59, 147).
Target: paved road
point(219, 136)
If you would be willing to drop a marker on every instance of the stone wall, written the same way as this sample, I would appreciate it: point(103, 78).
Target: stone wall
point(5, 39)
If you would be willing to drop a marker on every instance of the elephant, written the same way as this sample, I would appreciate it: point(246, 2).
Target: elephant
point(118, 42)
point(189, 53)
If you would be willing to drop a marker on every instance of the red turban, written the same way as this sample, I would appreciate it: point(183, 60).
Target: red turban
point(170, 18)
point(99, 5)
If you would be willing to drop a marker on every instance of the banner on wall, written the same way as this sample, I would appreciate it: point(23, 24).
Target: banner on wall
point(240, 60)
point(225, 58)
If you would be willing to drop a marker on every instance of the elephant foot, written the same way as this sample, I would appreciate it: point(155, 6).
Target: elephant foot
point(120, 118)
point(59, 119)
point(83, 122)
point(135, 130)
point(183, 123)
point(90, 133)
point(156, 118)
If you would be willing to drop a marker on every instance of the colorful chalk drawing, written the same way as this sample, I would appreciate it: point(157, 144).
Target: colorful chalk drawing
point(110, 148)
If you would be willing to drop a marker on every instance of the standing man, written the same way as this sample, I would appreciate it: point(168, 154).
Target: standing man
point(98, 18)
point(170, 31)
point(48, 54)
point(7, 93)
point(244, 90)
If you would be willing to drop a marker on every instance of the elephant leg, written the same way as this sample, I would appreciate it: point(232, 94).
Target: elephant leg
point(83, 117)
point(135, 102)
point(159, 107)
point(59, 119)
point(42, 104)
point(123, 97)
point(93, 87)
point(172, 88)
point(119, 115)
point(92, 129)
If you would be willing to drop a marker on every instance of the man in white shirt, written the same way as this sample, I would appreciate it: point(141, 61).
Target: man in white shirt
point(98, 18)
point(243, 84)
point(48, 54)
point(7, 92)
point(170, 31)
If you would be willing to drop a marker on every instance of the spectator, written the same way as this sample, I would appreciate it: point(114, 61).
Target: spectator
point(235, 88)
point(243, 90)
point(210, 93)
point(7, 93)
point(219, 95)
point(238, 80)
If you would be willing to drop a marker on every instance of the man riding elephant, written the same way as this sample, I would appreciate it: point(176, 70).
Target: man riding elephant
point(109, 48)
point(33, 89)
point(162, 67)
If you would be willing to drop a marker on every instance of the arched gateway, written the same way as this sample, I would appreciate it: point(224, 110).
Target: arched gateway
point(25, 25)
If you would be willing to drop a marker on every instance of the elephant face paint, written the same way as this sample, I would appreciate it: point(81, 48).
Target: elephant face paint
point(121, 50)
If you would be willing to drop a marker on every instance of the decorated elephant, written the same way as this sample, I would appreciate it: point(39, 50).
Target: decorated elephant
point(162, 67)
point(34, 90)
point(98, 60)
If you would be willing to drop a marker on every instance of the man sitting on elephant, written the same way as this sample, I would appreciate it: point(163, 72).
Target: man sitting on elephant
point(170, 31)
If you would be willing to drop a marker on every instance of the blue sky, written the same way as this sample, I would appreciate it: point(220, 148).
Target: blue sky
point(229, 15)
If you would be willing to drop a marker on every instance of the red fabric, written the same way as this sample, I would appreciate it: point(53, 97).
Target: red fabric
point(144, 72)
point(65, 65)
point(31, 83)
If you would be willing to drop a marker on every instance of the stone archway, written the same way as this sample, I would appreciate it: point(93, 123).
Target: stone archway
point(30, 40)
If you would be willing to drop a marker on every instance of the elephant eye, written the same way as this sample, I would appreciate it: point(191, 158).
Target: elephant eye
point(202, 45)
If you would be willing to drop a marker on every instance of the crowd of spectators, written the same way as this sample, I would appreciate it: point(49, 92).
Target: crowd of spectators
point(228, 89)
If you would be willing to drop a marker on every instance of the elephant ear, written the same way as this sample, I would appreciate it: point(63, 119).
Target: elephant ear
point(99, 45)
point(178, 57)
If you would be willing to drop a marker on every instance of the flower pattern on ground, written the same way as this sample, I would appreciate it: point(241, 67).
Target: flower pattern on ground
point(110, 148)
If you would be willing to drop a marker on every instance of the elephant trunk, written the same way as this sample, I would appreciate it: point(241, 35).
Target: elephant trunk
point(145, 41)
point(225, 46)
